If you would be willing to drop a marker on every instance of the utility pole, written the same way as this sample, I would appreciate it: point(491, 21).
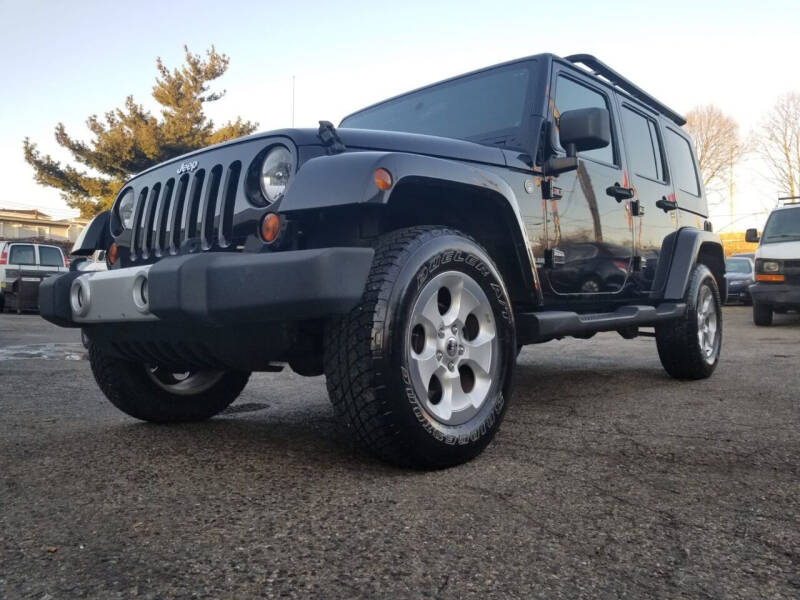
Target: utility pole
point(730, 186)
point(292, 100)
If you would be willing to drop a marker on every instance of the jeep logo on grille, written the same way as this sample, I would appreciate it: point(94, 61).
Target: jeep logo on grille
point(187, 167)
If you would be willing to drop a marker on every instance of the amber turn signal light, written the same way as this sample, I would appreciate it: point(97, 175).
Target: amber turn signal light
point(770, 278)
point(383, 179)
point(270, 227)
point(113, 250)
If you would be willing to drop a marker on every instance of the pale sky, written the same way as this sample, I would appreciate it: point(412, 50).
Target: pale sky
point(63, 61)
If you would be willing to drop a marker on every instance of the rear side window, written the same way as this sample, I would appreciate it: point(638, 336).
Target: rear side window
point(50, 257)
point(571, 95)
point(21, 254)
point(680, 158)
point(642, 144)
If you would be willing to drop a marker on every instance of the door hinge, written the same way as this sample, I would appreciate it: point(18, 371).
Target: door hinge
point(637, 210)
point(637, 263)
point(549, 191)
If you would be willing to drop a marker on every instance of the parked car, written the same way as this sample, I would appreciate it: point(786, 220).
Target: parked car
point(23, 266)
point(777, 265)
point(406, 255)
point(739, 276)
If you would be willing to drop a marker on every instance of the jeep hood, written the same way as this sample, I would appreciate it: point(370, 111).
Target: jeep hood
point(365, 139)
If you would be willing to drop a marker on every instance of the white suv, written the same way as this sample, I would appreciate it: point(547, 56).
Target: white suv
point(777, 286)
point(23, 266)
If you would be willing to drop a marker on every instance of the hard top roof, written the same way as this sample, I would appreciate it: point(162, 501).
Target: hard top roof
point(592, 67)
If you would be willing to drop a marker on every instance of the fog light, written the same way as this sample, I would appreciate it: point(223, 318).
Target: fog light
point(79, 298)
point(270, 227)
point(141, 293)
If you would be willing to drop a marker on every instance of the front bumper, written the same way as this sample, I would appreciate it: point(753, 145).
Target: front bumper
point(738, 292)
point(214, 288)
point(775, 294)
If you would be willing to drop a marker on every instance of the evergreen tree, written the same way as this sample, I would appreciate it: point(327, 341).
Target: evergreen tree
point(131, 139)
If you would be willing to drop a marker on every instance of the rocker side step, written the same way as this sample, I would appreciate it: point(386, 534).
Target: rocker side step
point(545, 325)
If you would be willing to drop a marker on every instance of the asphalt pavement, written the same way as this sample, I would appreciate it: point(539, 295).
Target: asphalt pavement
point(607, 479)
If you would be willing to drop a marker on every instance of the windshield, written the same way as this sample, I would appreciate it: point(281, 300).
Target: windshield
point(737, 265)
point(782, 226)
point(480, 107)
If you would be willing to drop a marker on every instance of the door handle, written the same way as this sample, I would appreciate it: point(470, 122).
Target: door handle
point(619, 193)
point(666, 205)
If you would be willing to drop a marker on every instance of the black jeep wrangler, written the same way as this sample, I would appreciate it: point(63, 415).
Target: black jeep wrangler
point(406, 255)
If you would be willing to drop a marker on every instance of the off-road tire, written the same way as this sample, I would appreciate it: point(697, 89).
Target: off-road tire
point(131, 389)
point(367, 353)
point(677, 340)
point(762, 314)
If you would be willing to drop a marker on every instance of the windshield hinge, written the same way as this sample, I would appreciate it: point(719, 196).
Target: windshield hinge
point(330, 139)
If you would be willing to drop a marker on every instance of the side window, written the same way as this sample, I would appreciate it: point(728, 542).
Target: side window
point(571, 95)
point(50, 257)
point(680, 158)
point(642, 144)
point(21, 254)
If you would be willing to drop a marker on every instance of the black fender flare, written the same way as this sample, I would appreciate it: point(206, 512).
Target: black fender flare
point(680, 252)
point(95, 236)
point(347, 179)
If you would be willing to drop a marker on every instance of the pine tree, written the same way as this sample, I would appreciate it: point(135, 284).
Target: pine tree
point(131, 139)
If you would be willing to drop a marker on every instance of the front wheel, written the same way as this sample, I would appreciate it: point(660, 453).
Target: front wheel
point(689, 347)
point(154, 394)
point(420, 371)
point(762, 314)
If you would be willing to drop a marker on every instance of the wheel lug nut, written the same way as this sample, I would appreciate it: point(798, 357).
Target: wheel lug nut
point(439, 355)
point(451, 365)
point(454, 329)
point(461, 350)
point(441, 332)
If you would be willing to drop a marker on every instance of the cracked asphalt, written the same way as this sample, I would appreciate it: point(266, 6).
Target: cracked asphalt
point(607, 480)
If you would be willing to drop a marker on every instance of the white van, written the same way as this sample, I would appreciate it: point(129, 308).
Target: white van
point(777, 276)
point(23, 266)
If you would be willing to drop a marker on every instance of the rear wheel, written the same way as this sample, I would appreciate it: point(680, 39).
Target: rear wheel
point(420, 371)
point(689, 347)
point(762, 314)
point(152, 393)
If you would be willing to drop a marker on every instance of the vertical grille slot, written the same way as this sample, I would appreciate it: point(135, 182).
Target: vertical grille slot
point(205, 216)
point(223, 218)
point(176, 214)
point(162, 214)
point(189, 224)
point(148, 216)
point(138, 217)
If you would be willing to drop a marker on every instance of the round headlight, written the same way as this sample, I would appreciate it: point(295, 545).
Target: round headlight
point(771, 266)
point(276, 170)
point(125, 209)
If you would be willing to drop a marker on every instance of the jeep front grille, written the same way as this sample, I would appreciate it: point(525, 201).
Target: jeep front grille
point(195, 206)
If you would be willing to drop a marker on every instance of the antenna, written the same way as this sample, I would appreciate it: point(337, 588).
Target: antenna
point(292, 100)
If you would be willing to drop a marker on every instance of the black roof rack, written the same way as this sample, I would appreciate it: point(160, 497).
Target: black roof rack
point(603, 70)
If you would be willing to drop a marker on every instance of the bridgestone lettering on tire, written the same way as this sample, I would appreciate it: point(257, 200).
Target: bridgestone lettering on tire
point(420, 371)
point(689, 347)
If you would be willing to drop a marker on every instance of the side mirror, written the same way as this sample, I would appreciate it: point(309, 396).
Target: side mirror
point(584, 129)
point(77, 263)
point(751, 235)
point(579, 130)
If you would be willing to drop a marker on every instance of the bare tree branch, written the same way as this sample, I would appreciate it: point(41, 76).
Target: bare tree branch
point(717, 143)
point(779, 143)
